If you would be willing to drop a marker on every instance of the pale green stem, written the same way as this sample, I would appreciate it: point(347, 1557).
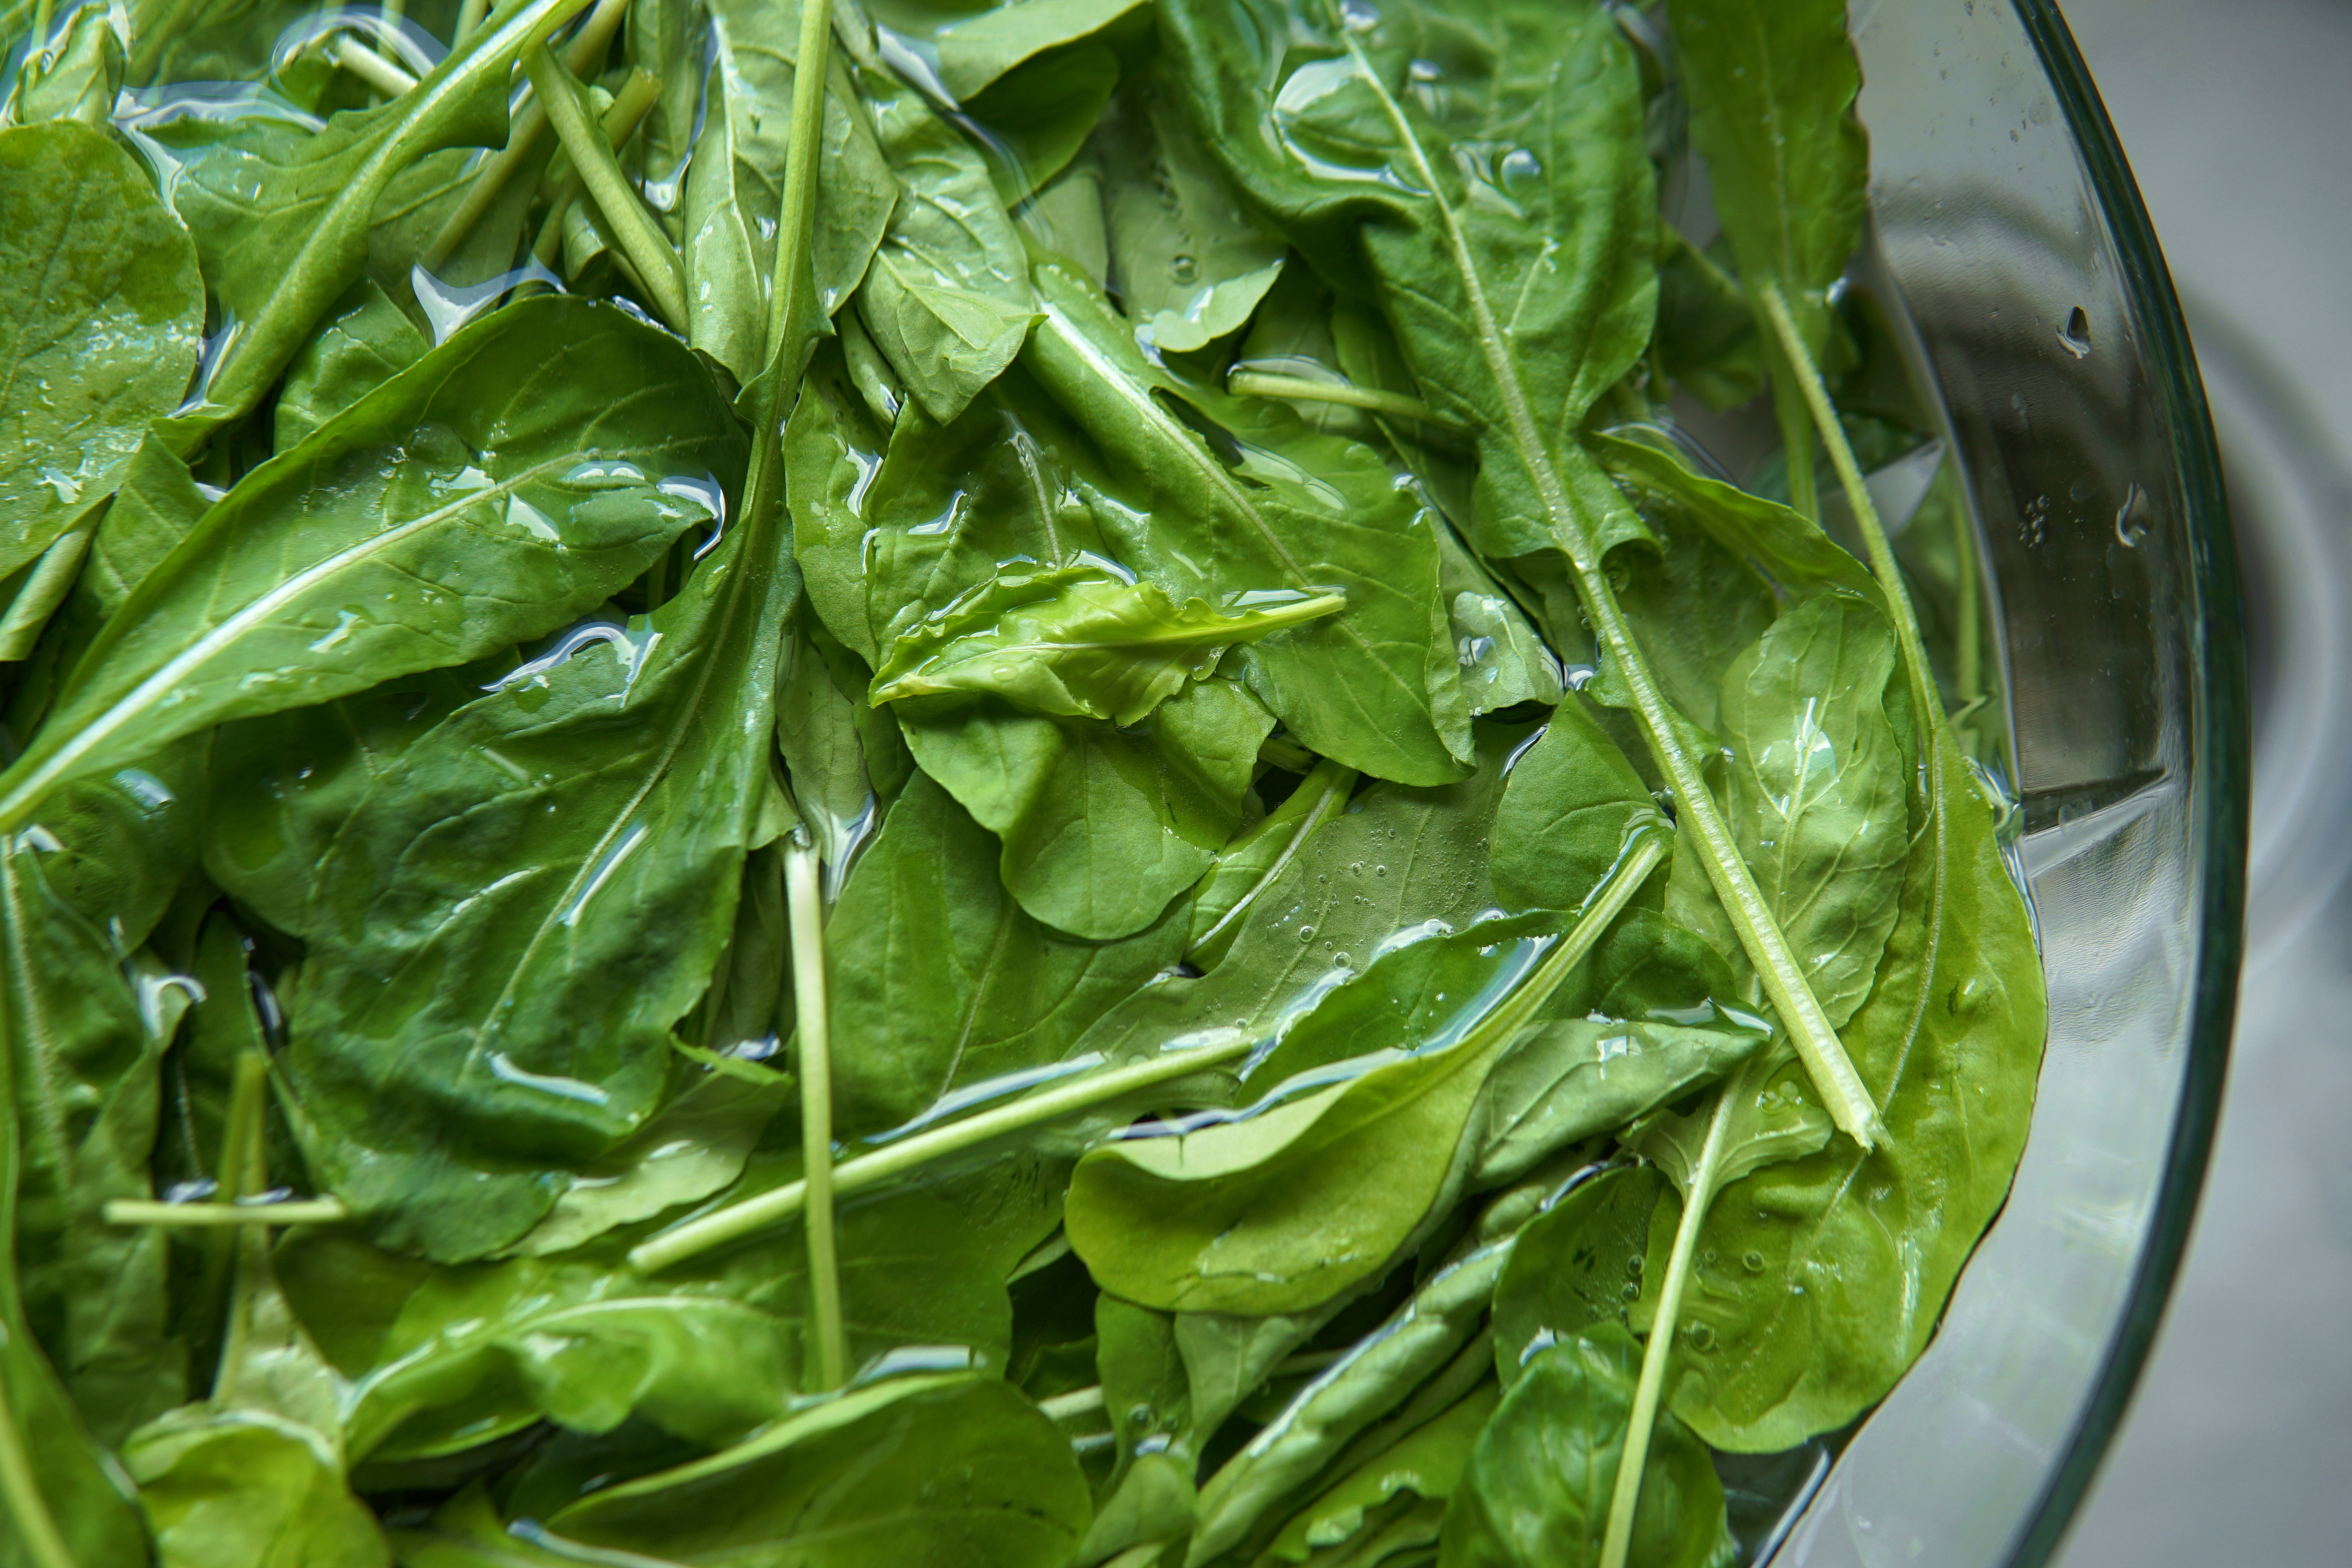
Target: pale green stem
point(1857, 494)
point(635, 100)
point(587, 47)
point(804, 902)
point(1969, 655)
point(1071, 1405)
point(469, 17)
point(245, 1166)
point(1085, 1093)
point(1619, 1537)
point(642, 240)
point(224, 1216)
point(51, 576)
point(348, 54)
point(1305, 389)
point(20, 1491)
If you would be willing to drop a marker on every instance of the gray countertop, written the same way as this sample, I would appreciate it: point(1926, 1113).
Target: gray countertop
point(2237, 123)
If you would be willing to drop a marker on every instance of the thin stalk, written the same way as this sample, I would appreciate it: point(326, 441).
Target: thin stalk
point(1305, 389)
point(1618, 1539)
point(630, 106)
point(245, 1164)
point(806, 910)
point(347, 54)
point(21, 1498)
point(587, 47)
point(1817, 1043)
point(52, 575)
point(642, 240)
point(43, 15)
point(225, 1217)
point(469, 17)
point(1969, 654)
point(1085, 1093)
point(240, 1129)
point(1071, 1405)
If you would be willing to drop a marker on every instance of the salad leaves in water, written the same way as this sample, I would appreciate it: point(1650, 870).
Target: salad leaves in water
point(958, 782)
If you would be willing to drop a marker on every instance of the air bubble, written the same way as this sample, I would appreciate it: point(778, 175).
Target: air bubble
point(1753, 1262)
point(1700, 1336)
point(1183, 269)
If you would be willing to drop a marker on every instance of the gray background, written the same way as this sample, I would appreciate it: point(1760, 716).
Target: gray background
point(2237, 117)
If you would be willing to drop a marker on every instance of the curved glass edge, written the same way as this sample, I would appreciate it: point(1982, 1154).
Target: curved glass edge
point(2222, 788)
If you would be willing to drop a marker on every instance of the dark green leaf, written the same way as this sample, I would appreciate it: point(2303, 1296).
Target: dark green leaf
point(365, 343)
point(1078, 642)
point(75, 73)
point(1426, 1464)
point(1256, 861)
point(942, 1470)
point(281, 217)
point(1568, 803)
point(1536, 1492)
point(99, 313)
point(249, 1490)
point(975, 52)
point(942, 982)
point(1577, 1265)
point(525, 496)
point(735, 183)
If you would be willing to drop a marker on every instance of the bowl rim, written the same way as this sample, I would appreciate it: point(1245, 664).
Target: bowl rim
point(2220, 784)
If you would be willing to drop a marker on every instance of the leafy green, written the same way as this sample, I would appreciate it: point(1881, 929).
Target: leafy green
point(280, 218)
point(976, 52)
point(1577, 1265)
point(856, 1478)
point(250, 1488)
point(1539, 1477)
point(1078, 642)
point(75, 73)
point(99, 313)
point(328, 569)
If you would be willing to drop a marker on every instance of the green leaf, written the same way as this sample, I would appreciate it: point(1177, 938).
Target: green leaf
point(941, 982)
point(1078, 641)
point(330, 568)
point(1820, 1280)
point(1577, 1266)
point(1568, 803)
point(1504, 220)
point(857, 1479)
point(1193, 263)
point(530, 837)
point(75, 73)
point(1253, 862)
point(1708, 338)
point(367, 341)
point(1792, 550)
point(1771, 88)
point(466, 1533)
point(84, 1036)
point(848, 760)
point(947, 299)
point(100, 314)
point(1428, 1464)
point(1537, 1491)
point(1818, 799)
point(158, 506)
point(834, 449)
point(1314, 1189)
point(1374, 1376)
point(735, 183)
point(282, 218)
point(248, 1490)
point(64, 1501)
point(975, 52)
point(1240, 495)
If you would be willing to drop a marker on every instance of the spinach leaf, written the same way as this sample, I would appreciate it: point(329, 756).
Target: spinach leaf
point(1540, 1475)
point(947, 299)
point(1567, 801)
point(247, 1486)
point(1239, 495)
point(975, 52)
point(1858, 1253)
point(848, 761)
point(524, 498)
point(1078, 642)
point(1427, 1464)
point(1256, 861)
point(366, 343)
point(281, 219)
point(1818, 797)
point(834, 449)
point(1575, 1265)
point(734, 186)
point(100, 312)
point(942, 982)
point(855, 1479)
point(75, 73)
point(1450, 203)
point(1192, 264)
point(1771, 90)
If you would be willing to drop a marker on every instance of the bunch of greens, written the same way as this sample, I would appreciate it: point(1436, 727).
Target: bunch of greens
point(931, 783)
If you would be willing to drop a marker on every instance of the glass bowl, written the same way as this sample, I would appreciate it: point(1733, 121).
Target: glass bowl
point(2010, 247)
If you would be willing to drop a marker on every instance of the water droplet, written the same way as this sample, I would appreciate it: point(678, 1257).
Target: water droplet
point(1143, 1415)
point(1634, 1267)
point(1631, 1292)
point(1379, 871)
point(1752, 1261)
point(1305, 933)
point(1342, 959)
point(2076, 334)
point(1183, 269)
point(1700, 1336)
point(2131, 518)
point(1519, 165)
